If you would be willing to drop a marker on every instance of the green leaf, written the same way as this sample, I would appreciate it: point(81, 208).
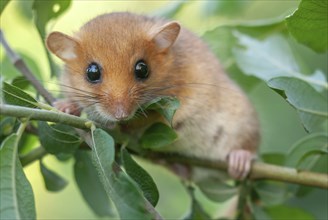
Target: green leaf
point(271, 193)
point(15, 96)
point(7, 126)
point(309, 24)
point(63, 156)
point(57, 141)
point(274, 158)
point(128, 200)
point(166, 106)
point(52, 180)
point(261, 29)
point(103, 149)
point(3, 4)
point(311, 105)
point(171, 9)
point(221, 41)
point(141, 177)
point(44, 11)
point(16, 200)
point(197, 212)
point(224, 8)
point(304, 147)
point(318, 164)
point(316, 154)
point(272, 58)
point(215, 189)
point(20, 82)
point(286, 212)
point(260, 214)
point(86, 175)
point(9, 72)
point(157, 136)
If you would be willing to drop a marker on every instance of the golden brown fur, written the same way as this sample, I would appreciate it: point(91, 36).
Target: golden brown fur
point(215, 116)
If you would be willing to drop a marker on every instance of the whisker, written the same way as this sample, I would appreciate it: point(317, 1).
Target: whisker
point(141, 109)
point(73, 93)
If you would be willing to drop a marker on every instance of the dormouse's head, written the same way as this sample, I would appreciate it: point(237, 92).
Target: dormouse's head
point(117, 62)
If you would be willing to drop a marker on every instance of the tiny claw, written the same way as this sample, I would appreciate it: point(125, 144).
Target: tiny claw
point(239, 163)
point(67, 106)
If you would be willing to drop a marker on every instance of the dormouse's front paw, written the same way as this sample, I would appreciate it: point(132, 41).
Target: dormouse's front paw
point(67, 106)
point(239, 163)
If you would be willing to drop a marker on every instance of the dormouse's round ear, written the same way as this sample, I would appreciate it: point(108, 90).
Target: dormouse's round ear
point(62, 45)
point(165, 36)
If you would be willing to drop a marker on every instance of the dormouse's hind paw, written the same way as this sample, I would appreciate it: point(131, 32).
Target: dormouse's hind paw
point(67, 106)
point(239, 163)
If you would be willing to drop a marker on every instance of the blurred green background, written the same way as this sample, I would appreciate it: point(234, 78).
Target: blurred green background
point(280, 124)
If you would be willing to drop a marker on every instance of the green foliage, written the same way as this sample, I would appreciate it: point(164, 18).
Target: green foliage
point(45, 11)
point(285, 212)
point(222, 40)
point(53, 182)
point(311, 105)
point(85, 176)
point(251, 52)
point(12, 73)
point(3, 4)
point(7, 126)
point(20, 82)
point(166, 106)
point(141, 177)
point(17, 200)
point(56, 141)
point(227, 8)
point(307, 151)
point(15, 96)
point(197, 212)
point(119, 188)
point(309, 24)
point(216, 189)
point(157, 136)
point(271, 193)
point(276, 58)
point(172, 9)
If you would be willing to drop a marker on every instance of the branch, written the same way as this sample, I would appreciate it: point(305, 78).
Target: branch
point(259, 170)
point(44, 115)
point(26, 72)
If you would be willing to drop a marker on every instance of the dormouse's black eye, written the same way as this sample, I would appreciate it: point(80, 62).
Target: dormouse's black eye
point(141, 70)
point(93, 73)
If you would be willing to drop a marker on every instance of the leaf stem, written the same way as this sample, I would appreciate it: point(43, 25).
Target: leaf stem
point(44, 115)
point(245, 189)
point(21, 129)
point(318, 113)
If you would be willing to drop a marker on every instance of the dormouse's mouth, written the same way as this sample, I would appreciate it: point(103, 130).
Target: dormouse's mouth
point(124, 118)
point(118, 114)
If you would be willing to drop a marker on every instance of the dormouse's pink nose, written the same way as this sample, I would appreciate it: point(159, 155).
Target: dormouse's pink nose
point(120, 113)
